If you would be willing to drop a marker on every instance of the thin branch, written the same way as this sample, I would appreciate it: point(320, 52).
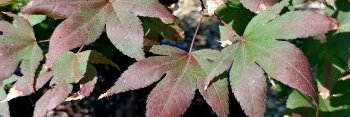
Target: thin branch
point(195, 33)
point(229, 27)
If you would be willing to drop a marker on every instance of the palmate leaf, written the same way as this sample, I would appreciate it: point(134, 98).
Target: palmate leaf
point(15, 48)
point(86, 20)
point(185, 73)
point(260, 52)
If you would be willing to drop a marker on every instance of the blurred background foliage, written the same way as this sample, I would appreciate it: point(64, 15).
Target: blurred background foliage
point(328, 56)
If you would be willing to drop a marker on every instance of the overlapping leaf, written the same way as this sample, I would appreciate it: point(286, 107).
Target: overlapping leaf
point(185, 72)
point(70, 68)
point(260, 52)
point(86, 19)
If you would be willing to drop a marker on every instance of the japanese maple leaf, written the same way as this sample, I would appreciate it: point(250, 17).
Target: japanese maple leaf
point(18, 44)
point(86, 20)
point(260, 52)
point(185, 73)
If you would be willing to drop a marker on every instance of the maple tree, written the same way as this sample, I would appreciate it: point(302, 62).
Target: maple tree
point(260, 40)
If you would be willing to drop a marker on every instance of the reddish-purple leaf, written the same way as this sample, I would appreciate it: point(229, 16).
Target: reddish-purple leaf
point(86, 20)
point(140, 75)
point(173, 94)
point(257, 5)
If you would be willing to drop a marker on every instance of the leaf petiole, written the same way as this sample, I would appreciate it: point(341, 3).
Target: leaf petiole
point(196, 32)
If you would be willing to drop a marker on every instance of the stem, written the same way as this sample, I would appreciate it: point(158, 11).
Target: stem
point(229, 27)
point(80, 49)
point(43, 41)
point(195, 33)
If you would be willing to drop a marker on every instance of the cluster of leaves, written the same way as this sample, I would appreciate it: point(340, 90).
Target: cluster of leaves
point(263, 51)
